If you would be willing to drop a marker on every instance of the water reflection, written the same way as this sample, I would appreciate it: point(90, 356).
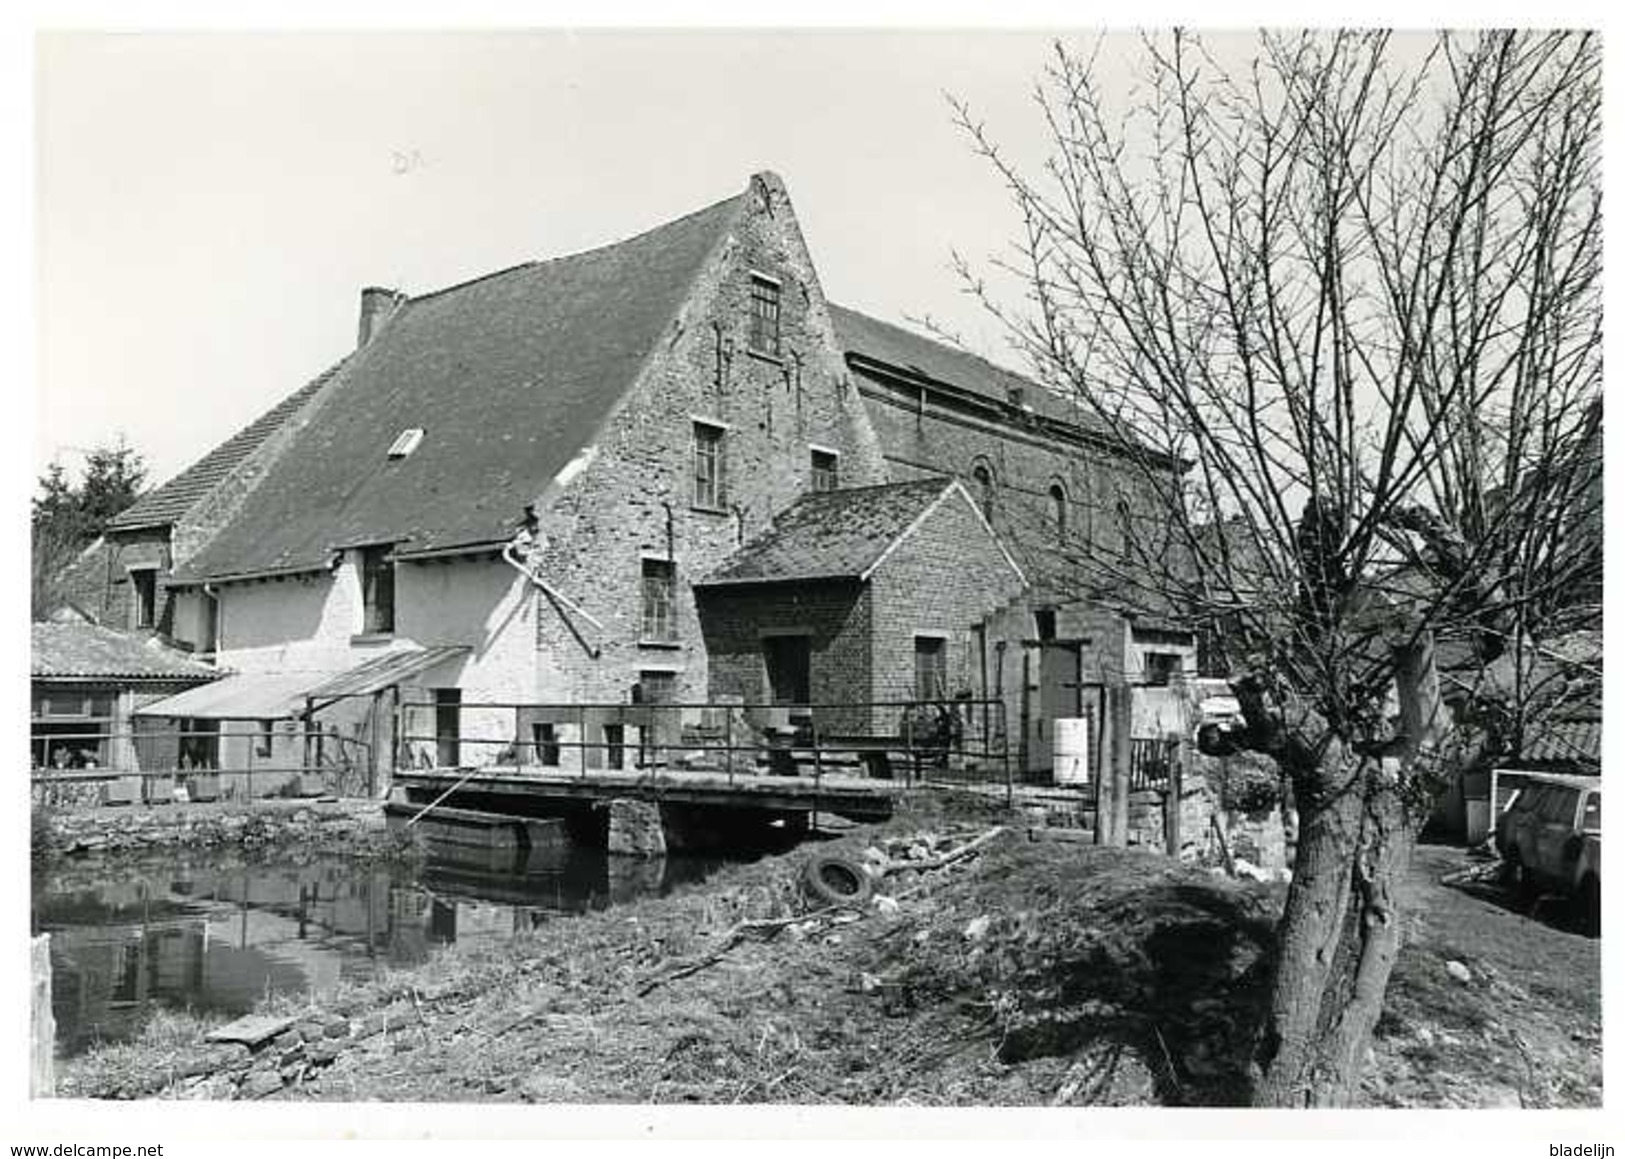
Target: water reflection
point(218, 933)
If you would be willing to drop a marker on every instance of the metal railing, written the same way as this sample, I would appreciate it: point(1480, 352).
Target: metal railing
point(1151, 761)
point(910, 741)
point(162, 766)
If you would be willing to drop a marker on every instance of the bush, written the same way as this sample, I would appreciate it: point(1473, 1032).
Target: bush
point(1249, 783)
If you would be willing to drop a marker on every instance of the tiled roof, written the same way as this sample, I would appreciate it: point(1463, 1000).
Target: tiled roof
point(509, 376)
point(1570, 741)
point(831, 534)
point(886, 342)
point(80, 651)
point(171, 501)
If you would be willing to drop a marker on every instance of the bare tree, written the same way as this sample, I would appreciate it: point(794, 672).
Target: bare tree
point(1355, 289)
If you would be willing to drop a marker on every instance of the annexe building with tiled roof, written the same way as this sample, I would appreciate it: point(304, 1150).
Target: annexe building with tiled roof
point(551, 484)
point(87, 681)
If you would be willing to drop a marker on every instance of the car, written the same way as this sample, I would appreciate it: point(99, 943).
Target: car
point(1550, 838)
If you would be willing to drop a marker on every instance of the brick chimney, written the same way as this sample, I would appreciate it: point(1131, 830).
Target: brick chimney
point(377, 304)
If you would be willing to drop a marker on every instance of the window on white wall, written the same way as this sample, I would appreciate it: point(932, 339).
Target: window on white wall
point(377, 590)
point(826, 470)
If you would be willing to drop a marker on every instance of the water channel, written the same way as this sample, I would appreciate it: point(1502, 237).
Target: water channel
point(214, 932)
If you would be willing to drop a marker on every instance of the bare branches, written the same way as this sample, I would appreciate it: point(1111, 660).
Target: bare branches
point(1340, 277)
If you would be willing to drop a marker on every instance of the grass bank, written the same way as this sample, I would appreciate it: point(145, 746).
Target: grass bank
point(1032, 973)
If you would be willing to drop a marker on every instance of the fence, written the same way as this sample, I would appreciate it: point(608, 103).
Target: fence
point(957, 740)
point(158, 766)
point(1151, 762)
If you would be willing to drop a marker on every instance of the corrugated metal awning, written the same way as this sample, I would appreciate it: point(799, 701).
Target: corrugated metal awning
point(279, 695)
point(387, 670)
point(245, 696)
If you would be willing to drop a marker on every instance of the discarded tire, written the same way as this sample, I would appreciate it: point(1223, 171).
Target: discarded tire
point(835, 880)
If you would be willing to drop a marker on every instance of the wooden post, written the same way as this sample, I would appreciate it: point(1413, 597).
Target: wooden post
point(1112, 798)
point(1105, 784)
point(1172, 802)
point(1122, 758)
point(42, 1072)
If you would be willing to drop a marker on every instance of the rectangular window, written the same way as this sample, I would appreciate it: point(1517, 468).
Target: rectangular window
point(262, 745)
point(764, 315)
point(615, 746)
point(826, 471)
point(377, 590)
point(1161, 666)
point(710, 467)
point(145, 583)
point(545, 737)
point(930, 668)
point(1044, 622)
point(659, 601)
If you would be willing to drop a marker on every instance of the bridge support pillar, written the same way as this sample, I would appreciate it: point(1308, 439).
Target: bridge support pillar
point(635, 828)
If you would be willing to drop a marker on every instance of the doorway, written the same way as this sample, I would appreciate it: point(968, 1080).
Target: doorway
point(789, 668)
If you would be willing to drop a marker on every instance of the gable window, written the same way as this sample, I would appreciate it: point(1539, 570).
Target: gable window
point(826, 470)
point(764, 315)
point(659, 601)
point(1044, 623)
point(377, 590)
point(1057, 510)
point(982, 474)
point(144, 609)
point(710, 466)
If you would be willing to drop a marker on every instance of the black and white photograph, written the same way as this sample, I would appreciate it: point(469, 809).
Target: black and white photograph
point(907, 567)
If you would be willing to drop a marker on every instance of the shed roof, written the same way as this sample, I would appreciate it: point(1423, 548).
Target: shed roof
point(79, 651)
point(834, 535)
point(509, 376)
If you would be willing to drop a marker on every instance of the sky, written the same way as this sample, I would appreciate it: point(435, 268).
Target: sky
point(208, 205)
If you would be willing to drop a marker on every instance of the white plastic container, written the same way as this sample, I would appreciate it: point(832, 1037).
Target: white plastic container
point(1071, 750)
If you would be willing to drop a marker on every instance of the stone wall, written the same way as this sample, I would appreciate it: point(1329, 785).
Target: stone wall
point(837, 618)
point(630, 495)
point(342, 827)
point(929, 436)
point(941, 581)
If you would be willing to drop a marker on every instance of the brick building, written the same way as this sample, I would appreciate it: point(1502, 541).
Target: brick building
point(546, 486)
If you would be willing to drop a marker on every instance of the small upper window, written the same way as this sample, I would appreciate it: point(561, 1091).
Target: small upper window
point(710, 467)
point(406, 442)
point(377, 589)
point(145, 583)
point(983, 474)
point(764, 315)
point(826, 470)
point(1057, 510)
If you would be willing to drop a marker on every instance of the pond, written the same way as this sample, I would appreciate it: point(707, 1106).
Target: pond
point(215, 932)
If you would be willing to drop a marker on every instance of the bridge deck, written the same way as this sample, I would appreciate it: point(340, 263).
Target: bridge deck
point(852, 796)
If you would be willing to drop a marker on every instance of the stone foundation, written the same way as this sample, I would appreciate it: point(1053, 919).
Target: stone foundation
point(636, 829)
point(345, 826)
